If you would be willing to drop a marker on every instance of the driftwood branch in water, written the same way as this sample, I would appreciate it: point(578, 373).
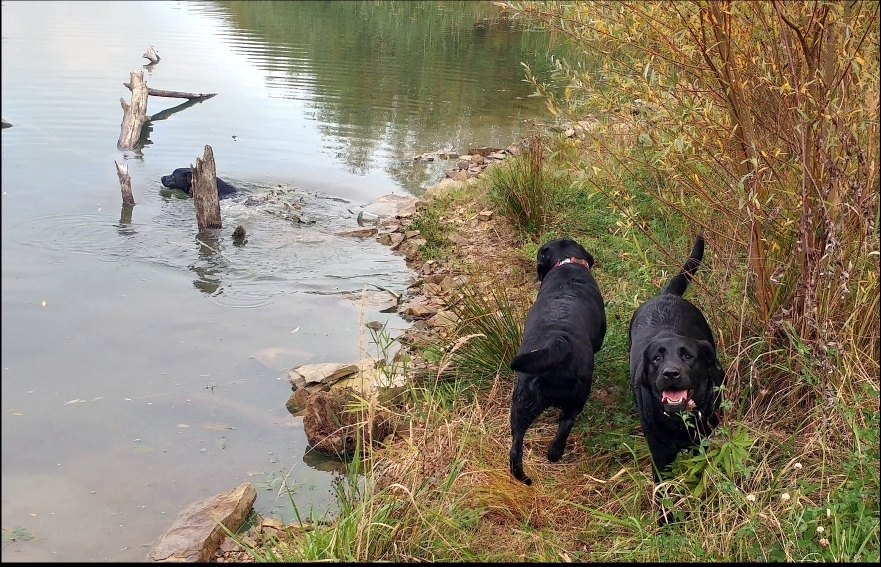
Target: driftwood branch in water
point(135, 114)
point(6, 124)
point(152, 55)
point(125, 183)
point(204, 190)
point(175, 94)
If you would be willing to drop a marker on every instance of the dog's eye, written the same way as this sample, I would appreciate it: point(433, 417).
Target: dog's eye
point(657, 358)
point(687, 356)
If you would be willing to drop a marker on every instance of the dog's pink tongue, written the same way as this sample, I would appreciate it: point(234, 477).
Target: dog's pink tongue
point(674, 396)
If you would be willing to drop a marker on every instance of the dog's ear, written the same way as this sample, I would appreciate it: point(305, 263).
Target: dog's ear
point(589, 259)
point(544, 261)
point(708, 354)
point(647, 363)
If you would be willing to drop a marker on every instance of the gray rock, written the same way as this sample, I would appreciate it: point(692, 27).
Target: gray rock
point(390, 206)
point(381, 300)
point(396, 239)
point(420, 310)
point(324, 373)
point(359, 232)
point(196, 534)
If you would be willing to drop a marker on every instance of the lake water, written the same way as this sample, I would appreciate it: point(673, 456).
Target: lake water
point(141, 370)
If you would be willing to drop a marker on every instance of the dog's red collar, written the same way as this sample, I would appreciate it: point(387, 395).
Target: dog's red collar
point(572, 260)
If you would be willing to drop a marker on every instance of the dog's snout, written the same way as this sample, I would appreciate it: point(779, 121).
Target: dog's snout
point(670, 373)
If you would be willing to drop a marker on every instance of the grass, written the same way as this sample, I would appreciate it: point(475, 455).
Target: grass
point(525, 190)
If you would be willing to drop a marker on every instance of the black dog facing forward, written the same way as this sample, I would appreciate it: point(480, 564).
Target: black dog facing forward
point(563, 329)
point(182, 178)
point(674, 369)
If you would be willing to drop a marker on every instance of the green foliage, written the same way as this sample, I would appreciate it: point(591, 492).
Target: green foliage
point(17, 533)
point(723, 459)
point(434, 228)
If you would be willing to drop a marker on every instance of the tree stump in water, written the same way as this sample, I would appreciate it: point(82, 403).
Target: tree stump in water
point(204, 191)
point(134, 115)
point(125, 183)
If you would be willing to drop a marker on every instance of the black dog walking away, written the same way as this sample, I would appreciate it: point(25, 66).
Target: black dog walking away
point(564, 328)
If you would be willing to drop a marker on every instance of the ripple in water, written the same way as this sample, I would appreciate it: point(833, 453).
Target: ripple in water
point(278, 257)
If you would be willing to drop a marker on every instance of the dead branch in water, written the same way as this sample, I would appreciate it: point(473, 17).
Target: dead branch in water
point(175, 94)
point(125, 183)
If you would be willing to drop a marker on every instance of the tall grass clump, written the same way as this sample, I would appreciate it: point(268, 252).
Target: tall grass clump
point(523, 189)
point(488, 333)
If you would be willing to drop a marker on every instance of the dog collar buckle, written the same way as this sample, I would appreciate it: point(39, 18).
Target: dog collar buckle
point(572, 260)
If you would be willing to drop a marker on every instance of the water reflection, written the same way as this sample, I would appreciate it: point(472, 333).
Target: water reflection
point(211, 262)
point(125, 221)
point(383, 89)
point(321, 462)
point(144, 139)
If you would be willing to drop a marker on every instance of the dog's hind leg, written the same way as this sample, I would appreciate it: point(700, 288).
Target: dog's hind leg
point(565, 423)
point(521, 419)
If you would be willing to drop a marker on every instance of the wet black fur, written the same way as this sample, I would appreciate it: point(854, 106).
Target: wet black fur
point(182, 178)
point(563, 329)
point(672, 347)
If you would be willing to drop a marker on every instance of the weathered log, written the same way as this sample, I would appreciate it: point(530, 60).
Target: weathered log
point(175, 94)
point(204, 191)
point(125, 183)
point(6, 124)
point(152, 55)
point(135, 115)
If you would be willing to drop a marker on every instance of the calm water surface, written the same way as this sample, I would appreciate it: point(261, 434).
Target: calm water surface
point(142, 370)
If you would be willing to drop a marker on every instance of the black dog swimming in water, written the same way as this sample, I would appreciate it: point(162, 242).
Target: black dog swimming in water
point(674, 370)
point(182, 178)
point(563, 329)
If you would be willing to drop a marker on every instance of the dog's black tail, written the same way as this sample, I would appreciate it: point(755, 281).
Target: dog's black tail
point(554, 352)
point(680, 282)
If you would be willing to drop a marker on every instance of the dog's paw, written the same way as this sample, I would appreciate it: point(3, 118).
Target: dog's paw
point(526, 480)
point(555, 453)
